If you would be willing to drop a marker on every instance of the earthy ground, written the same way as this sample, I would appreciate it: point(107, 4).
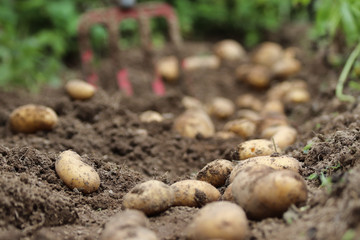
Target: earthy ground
point(107, 133)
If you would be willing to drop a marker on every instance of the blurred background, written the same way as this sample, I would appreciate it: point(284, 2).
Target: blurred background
point(38, 38)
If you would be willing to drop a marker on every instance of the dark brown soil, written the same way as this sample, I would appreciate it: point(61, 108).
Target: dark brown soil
point(107, 133)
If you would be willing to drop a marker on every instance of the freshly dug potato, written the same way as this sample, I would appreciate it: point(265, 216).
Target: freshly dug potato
point(249, 115)
point(273, 106)
point(150, 197)
point(79, 89)
point(31, 118)
point(229, 50)
point(286, 67)
point(227, 196)
point(216, 172)
point(267, 54)
point(279, 163)
point(279, 91)
point(254, 148)
point(151, 116)
point(191, 102)
point(221, 107)
point(283, 136)
point(273, 120)
point(225, 135)
point(194, 193)
point(193, 122)
point(249, 101)
point(297, 96)
point(168, 68)
point(129, 224)
point(219, 220)
point(264, 192)
point(75, 173)
point(201, 62)
point(242, 127)
point(255, 75)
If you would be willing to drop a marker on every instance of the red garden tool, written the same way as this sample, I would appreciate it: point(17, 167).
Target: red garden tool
point(110, 18)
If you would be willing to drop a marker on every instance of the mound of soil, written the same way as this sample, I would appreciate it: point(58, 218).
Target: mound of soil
point(107, 132)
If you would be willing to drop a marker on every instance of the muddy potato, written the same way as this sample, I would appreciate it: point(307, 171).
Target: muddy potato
point(286, 67)
point(229, 50)
point(201, 62)
point(227, 195)
point(216, 172)
point(150, 197)
point(221, 107)
point(249, 115)
point(168, 68)
point(191, 102)
point(254, 148)
point(273, 106)
point(267, 54)
point(151, 116)
point(219, 220)
point(297, 96)
point(75, 173)
point(193, 122)
point(79, 89)
point(264, 192)
point(31, 118)
point(194, 193)
point(255, 75)
point(283, 136)
point(249, 101)
point(242, 127)
point(279, 163)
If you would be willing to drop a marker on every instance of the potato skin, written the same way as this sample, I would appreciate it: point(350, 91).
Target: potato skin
point(242, 127)
point(168, 68)
point(227, 195)
point(216, 172)
point(75, 173)
point(219, 220)
point(267, 54)
point(264, 192)
point(78, 89)
point(151, 116)
point(150, 197)
point(31, 118)
point(221, 107)
point(281, 162)
point(194, 193)
point(254, 148)
point(229, 50)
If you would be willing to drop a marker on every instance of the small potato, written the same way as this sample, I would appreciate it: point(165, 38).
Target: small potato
point(227, 196)
point(191, 102)
point(279, 91)
point(151, 116)
point(168, 68)
point(219, 220)
point(273, 120)
point(129, 224)
point(249, 115)
point(221, 107)
point(286, 67)
point(273, 106)
point(216, 172)
point(249, 101)
point(75, 173)
point(225, 135)
point(79, 89)
point(193, 122)
point(31, 118)
point(283, 136)
point(150, 197)
point(297, 96)
point(229, 50)
point(194, 193)
point(242, 127)
point(254, 148)
point(267, 54)
point(279, 163)
point(201, 62)
point(264, 192)
point(255, 75)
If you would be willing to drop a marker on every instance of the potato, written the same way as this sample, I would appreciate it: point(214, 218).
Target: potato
point(273, 106)
point(151, 197)
point(264, 192)
point(219, 220)
point(273, 120)
point(221, 107)
point(279, 91)
point(242, 127)
point(129, 224)
point(194, 193)
point(249, 101)
point(168, 68)
point(283, 136)
point(201, 62)
point(255, 75)
point(79, 89)
point(227, 196)
point(191, 102)
point(216, 172)
point(281, 162)
point(225, 135)
point(249, 115)
point(267, 54)
point(193, 122)
point(151, 116)
point(75, 173)
point(254, 148)
point(297, 96)
point(31, 118)
point(286, 67)
point(229, 50)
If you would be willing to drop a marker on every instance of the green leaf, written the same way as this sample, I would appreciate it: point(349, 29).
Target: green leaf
point(313, 176)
